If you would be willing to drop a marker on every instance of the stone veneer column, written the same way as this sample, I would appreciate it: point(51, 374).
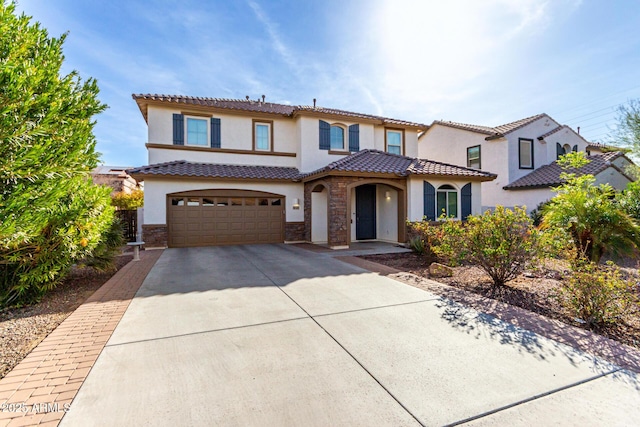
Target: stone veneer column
point(338, 222)
point(155, 235)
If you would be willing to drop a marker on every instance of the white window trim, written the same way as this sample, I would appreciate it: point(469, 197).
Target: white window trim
point(186, 130)
point(479, 158)
point(255, 133)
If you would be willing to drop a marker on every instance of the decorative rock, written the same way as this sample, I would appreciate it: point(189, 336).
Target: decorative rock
point(440, 270)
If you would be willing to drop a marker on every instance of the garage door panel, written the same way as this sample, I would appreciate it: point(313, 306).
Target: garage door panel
point(242, 220)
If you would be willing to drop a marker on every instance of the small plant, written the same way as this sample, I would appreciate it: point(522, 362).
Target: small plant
point(597, 295)
point(417, 245)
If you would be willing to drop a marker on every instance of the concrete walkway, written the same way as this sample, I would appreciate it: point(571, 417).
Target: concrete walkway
point(276, 335)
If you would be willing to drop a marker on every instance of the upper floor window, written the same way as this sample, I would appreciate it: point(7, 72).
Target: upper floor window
point(525, 152)
point(262, 136)
point(197, 132)
point(473, 157)
point(561, 150)
point(337, 137)
point(394, 141)
point(447, 201)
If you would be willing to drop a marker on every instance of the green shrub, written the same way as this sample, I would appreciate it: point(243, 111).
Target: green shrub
point(128, 201)
point(501, 242)
point(596, 294)
point(51, 215)
point(103, 256)
point(589, 214)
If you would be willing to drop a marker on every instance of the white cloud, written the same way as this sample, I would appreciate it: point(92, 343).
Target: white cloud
point(430, 55)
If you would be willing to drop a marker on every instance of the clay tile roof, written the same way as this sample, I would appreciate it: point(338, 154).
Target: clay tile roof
point(600, 146)
point(429, 167)
point(493, 132)
point(213, 170)
point(465, 126)
point(552, 131)
point(228, 104)
point(375, 161)
point(262, 107)
point(549, 175)
point(510, 127)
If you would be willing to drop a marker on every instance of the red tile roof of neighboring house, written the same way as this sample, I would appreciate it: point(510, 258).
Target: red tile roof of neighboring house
point(214, 170)
point(549, 175)
point(380, 162)
point(600, 146)
point(259, 106)
point(365, 161)
point(492, 132)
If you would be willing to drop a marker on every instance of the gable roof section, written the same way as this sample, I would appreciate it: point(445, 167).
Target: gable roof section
point(258, 106)
point(549, 175)
point(495, 131)
point(380, 162)
point(182, 168)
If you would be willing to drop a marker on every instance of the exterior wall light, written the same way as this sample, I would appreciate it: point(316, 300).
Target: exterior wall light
point(296, 203)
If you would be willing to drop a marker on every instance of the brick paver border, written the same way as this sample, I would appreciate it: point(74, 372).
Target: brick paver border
point(41, 388)
point(622, 355)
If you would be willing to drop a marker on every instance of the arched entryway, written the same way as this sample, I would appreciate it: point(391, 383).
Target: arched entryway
point(376, 210)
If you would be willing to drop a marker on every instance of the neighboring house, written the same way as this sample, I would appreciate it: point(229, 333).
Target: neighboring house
point(227, 171)
point(115, 177)
point(522, 154)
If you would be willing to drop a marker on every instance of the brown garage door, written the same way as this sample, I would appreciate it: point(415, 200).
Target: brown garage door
point(224, 218)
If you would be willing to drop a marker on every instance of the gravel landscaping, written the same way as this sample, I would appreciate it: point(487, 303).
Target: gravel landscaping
point(534, 290)
point(22, 329)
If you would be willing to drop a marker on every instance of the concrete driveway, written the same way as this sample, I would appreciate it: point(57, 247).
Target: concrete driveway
point(276, 335)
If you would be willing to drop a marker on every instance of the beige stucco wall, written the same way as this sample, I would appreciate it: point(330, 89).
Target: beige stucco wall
point(236, 132)
point(613, 178)
point(449, 145)
point(159, 155)
point(415, 201)
point(541, 151)
point(311, 156)
point(156, 190)
point(387, 213)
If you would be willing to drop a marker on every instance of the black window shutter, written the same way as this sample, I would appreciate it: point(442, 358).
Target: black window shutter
point(178, 129)
point(325, 135)
point(215, 132)
point(354, 138)
point(575, 148)
point(429, 201)
point(559, 150)
point(465, 201)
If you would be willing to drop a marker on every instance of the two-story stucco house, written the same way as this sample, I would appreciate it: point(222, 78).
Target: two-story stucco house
point(248, 171)
point(522, 154)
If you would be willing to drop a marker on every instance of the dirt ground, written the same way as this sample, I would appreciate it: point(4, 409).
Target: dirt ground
point(22, 329)
point(534, 290)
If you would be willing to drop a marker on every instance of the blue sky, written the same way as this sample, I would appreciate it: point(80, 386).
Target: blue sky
point(484, 62)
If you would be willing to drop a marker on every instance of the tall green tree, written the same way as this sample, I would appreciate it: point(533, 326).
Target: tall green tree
point(51, 215)
point(627, 132)
point(589, 213)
